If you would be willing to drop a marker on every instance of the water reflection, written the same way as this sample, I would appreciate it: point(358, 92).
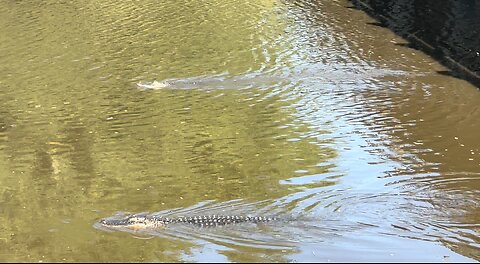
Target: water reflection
point(428, 124)
point(287, 107)
point(448, 30)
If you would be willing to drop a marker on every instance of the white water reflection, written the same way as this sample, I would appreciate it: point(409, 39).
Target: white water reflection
point(275, 102)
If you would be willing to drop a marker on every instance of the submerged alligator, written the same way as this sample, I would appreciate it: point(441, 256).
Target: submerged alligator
point(142, 222)
point(264, 80)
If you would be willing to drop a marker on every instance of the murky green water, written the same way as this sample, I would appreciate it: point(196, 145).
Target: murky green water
point(295, 108)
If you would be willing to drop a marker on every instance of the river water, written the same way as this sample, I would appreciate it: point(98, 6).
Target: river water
point(302, 109)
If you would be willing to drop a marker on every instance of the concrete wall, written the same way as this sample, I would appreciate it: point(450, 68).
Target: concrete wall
point(448, 30)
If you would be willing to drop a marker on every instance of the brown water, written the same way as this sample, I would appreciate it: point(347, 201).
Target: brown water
point(299, 109)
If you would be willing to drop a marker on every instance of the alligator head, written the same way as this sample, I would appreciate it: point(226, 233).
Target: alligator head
point(134, 222)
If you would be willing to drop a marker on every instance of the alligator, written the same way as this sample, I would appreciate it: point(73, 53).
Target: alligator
point(143, 222)
point(211, 82)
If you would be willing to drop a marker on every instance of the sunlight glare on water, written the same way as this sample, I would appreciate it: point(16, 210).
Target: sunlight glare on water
point(230, 107)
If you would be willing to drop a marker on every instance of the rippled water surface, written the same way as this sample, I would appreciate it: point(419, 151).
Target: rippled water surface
point(301, 109)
